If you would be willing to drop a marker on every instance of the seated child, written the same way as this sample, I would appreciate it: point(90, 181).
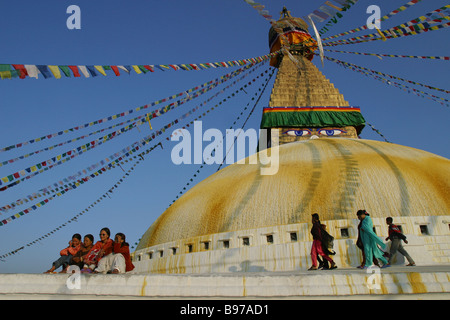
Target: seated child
point(119, 261)
point(66, 254)
point(81, 256)
point(101, 248)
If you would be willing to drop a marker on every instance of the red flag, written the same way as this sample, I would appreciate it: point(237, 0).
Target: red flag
point(116, 70)
point(75, 71)
point(22, 71)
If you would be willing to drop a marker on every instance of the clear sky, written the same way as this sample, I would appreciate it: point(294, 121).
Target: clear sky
point(173, 32)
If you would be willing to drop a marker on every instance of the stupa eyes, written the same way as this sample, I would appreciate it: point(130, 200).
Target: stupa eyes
point(331, 132)
point(298, 133)
point(321, 132)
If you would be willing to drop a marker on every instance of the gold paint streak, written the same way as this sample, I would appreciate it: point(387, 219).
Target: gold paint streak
point(396, 282)
point(415, 279)
point(349, 285)
point(384, 289)
point(244, 293)
point(144, 284)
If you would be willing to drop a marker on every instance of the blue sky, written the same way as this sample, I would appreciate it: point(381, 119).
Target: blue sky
point(173, 32)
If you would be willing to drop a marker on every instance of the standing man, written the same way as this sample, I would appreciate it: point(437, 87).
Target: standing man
point(396, 237)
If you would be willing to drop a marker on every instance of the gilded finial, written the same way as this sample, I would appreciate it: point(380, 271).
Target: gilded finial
point(285, 13)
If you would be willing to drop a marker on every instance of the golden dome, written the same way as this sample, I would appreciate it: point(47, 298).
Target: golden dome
point(331, 176)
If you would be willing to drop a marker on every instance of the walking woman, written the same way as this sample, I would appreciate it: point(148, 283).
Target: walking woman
point(370, 241)
point(321, 241)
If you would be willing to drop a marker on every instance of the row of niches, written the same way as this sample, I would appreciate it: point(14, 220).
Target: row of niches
point(237, 240)
point(206, 245)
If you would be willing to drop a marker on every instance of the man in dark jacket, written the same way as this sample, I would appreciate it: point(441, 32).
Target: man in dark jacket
point(396, 237)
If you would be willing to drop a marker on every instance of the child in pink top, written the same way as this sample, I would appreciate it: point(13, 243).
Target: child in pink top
point(66, 254)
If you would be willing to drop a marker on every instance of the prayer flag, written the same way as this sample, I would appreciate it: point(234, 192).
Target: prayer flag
point(22, 70)
point(65, 70)
point(92, 70)
point(84, 71)
point(125, 68)
point(44, 70)
point(100, 69)
point(55, 71)
point(32, 71)
point(136, 69)
point(116, 71)
point(75, 71)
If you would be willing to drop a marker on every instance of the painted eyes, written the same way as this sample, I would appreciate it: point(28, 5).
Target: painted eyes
point(323, 132)
point(298, 133)
point(331, 132)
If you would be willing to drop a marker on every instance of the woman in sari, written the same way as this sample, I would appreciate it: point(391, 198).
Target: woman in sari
point(370, 241)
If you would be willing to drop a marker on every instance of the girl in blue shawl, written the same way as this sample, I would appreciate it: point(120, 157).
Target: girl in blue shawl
point(370, 240)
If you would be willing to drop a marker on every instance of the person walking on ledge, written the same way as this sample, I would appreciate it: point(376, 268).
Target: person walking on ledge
point(321, 239)
point(371, 241)
point(396, 237)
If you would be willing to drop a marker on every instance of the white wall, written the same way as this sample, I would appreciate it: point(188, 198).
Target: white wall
point(285, 254)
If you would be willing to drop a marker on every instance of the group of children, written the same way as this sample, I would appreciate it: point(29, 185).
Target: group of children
point(105, 256)
point(371, 245)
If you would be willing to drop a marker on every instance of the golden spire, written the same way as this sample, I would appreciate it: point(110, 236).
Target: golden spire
point(285, 13)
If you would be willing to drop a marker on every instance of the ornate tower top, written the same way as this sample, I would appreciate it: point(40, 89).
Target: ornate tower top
point(285, 13)
point(304, 104)
point(291, 33)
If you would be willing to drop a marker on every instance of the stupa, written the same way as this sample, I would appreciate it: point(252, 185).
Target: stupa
point(240, 220)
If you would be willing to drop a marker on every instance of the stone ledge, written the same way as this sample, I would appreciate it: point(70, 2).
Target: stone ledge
point(340, 282)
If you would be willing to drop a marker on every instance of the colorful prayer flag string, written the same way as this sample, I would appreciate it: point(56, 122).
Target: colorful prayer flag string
point(413, 27)
point(378, 131)
point(391, 76)
point(120, 181)
point(384, 18)
point(379, 55)
point(128, 112)
point(22, 71)
point(65, 185)
point(32, 171)
point(334, 20)
point(376, 75)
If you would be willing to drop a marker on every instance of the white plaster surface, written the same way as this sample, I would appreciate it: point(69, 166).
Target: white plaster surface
point(410, 282)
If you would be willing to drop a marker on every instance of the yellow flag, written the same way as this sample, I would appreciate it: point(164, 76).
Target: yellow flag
point(100, 69)
point(55, 71)
point(136, 68)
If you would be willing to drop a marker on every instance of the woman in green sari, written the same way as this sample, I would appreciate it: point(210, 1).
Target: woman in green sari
point(370, 240)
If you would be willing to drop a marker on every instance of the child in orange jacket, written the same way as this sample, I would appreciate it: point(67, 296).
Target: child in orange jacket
point(66, 254)
point(101, 249)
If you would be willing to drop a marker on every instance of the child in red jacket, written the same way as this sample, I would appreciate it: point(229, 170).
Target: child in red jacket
point(66, 254)
point(119, 261)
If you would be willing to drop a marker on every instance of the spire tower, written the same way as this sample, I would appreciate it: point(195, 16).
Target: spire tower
point(304, 104)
